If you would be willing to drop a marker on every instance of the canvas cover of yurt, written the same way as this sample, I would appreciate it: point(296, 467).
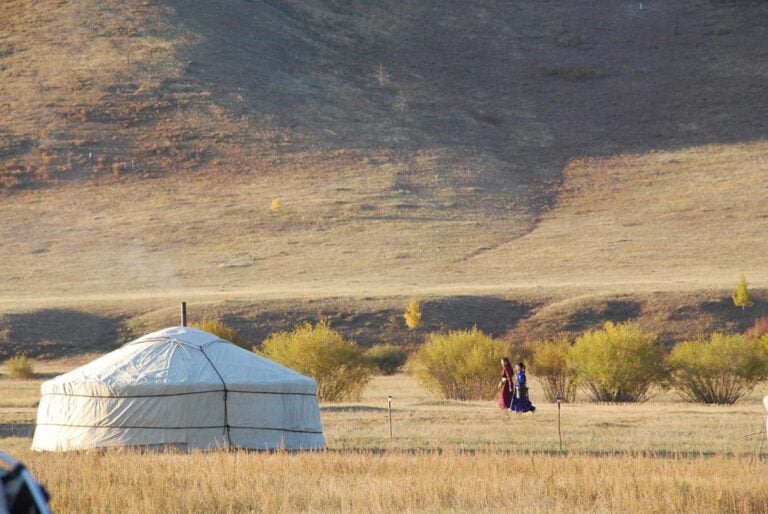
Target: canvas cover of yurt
point(179, 387)
point(765, 402)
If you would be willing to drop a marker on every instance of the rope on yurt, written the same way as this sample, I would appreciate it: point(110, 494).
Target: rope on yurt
point(224, 384)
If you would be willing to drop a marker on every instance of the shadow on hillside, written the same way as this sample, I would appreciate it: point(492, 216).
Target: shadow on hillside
point(369, 325)
point(53, 333)
point(673, 317)
point(494, 316)
point(732, 318)
point(526, 85)
point(616, 311)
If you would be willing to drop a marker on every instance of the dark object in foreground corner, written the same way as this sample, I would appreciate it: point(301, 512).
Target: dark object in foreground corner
point(21, 494)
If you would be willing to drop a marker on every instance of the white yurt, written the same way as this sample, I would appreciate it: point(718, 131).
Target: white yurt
point(179, 387)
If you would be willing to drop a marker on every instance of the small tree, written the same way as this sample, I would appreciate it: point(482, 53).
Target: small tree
point(719, 370)
point(222, 330)
point(412, 315)
point(387, 358)
point(741, 297)
point(618, 363)
point(338, 366)
point(549, 362)
point(460, 364)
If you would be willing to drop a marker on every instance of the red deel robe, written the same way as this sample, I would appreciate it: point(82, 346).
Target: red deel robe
point(507, 388)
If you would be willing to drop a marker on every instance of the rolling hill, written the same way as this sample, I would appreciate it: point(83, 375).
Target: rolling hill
point(549, 154)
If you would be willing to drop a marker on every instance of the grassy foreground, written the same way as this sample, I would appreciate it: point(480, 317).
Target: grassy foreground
point(662, 456)
point(396, 481)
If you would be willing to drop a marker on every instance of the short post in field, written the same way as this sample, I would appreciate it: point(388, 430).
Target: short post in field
point(389, 401)
point(183, 314)
point(559, 434)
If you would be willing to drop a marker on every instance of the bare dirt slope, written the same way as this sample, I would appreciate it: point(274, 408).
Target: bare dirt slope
point(532, 151)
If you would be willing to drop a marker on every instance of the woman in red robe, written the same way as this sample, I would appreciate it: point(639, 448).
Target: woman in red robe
point(506, 384)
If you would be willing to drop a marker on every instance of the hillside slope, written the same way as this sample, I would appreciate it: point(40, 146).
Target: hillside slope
point(418, 148)
point(504, 92)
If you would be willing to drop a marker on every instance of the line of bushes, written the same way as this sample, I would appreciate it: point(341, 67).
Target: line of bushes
point(620, 362)
point(616, 363)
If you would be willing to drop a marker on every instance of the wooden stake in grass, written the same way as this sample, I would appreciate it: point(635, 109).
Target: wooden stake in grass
point(559, 434)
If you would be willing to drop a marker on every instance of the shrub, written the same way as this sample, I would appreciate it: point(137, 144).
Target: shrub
point(20, 366)
point(520, 351)
point(758, 329)
point(618, 363)
point(9, 181)
point(338, 366)
point(388, 358)
point(222, 330)
point(460, 365)
point(719, 370)
point(549, 362)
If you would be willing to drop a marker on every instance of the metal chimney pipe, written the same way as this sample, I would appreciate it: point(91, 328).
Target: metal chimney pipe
point(183, 314)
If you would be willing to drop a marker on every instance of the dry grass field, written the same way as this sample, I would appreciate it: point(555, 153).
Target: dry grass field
point(661, 456)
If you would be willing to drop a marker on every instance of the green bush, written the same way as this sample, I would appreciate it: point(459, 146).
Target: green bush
point(719, 370)
point(20, 366)
point(618, 363)
point(460, 365)
point(222, 330)
point(338, 366)
point(549, 362)
point(387, 358)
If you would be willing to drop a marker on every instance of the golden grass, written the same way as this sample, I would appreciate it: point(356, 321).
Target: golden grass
point(398, 482)
point(661, 456)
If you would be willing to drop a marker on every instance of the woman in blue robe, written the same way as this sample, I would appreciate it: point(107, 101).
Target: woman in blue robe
point(520, 400)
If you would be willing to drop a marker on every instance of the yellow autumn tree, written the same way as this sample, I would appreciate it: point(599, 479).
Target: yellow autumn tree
point(412, 315)
point(741, 297)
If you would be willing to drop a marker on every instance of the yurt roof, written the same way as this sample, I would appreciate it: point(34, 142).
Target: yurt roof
point(178, 360)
